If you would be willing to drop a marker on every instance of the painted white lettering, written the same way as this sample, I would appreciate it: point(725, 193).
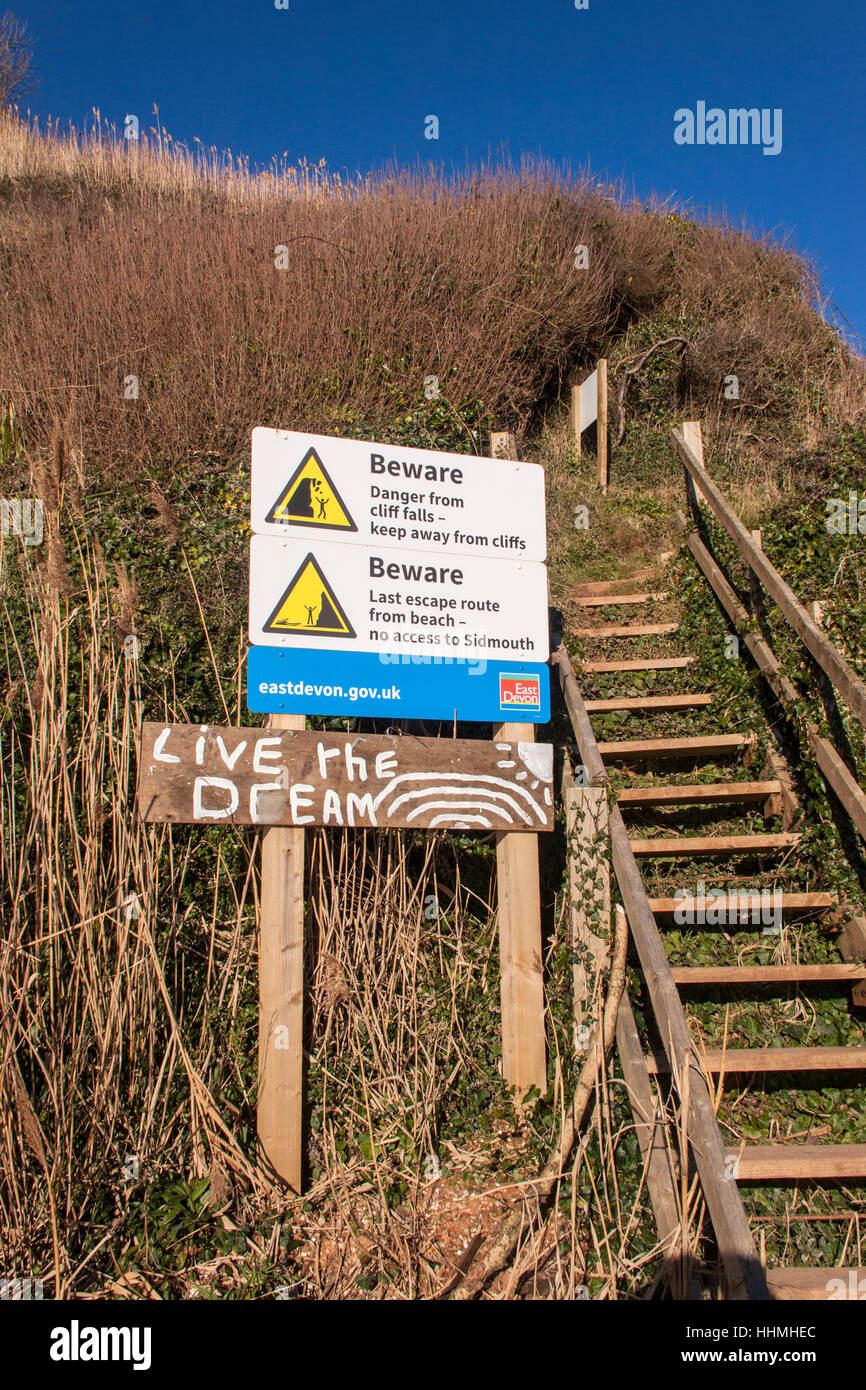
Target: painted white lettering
point(362, 804)
point(267, 751)
point(296, 800)
point(230, 759)
point(386, 763)
point(353, 762)
point(160, 757)
point(202, 812)
point(324, 754)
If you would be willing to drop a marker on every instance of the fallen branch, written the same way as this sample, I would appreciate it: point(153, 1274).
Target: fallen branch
point(505, 1243)
point(630, 372)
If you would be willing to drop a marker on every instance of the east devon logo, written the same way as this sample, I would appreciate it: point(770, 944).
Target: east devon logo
point(516, 691)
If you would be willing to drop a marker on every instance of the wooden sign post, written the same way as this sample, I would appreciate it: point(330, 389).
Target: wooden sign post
point(524, 1057)
point(285, 778)
point(601, 408)
point(279, 1105)
point(365, 558)
point(589, 407)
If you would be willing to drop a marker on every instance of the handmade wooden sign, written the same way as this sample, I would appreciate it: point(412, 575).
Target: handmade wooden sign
point(207, 774)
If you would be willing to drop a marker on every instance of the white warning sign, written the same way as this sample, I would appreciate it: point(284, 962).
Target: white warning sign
point(327, 595)
point(404, 499)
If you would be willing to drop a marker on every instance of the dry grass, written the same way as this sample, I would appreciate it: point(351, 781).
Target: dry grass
point(150, 262)
point(128, 991)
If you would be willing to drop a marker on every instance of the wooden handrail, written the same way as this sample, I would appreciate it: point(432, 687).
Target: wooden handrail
point(745, 1276)
point(844, 784)
point(829, 658)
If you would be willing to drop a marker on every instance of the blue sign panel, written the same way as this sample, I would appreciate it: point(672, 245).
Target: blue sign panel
point(288, 681)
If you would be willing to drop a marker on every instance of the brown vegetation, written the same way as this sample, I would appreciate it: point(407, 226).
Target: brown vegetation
point(140, 261)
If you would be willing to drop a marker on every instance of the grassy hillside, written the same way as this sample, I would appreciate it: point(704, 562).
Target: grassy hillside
point(129, 968)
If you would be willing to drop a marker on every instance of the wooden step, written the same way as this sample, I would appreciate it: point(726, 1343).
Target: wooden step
point(608, 600)
point(816, 1284)
point(697, 793)
point(739, 1061)
point(648, 702)
point(612, 586)
point(797, 1161)
point(713, 844)
point(664, 663)
point(767, 974)
point(747, 903)
point(661, 748)
point(639, 630)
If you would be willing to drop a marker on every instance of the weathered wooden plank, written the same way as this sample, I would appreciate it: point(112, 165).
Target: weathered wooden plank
point(842, 973)
point(713, 844)
point(675, 747)
point(763, 654)
point(595, 771)
point(747, 904)
point(736, 1246)
point(612, 586)
point(852, 945)
point(813, 1285)
point(665, 663)
point(786, 802)
point(634, 630)
point(660, 1175)
point(737, 1061)
point(601, 425)
point(639, 704)
point(214, 775)
point(610, 600)
point(524, 1059)
point(524, 1056)
point(848, 790)
point(696, 793)
point(758, 1162)
point(574, 419)
point(280, 1099)
point(503, 445)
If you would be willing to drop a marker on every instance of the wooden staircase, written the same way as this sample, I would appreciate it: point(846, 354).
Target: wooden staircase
point(805, 1163)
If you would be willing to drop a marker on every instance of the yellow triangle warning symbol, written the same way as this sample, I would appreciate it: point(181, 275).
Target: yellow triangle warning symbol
point(311, 499)
point(310, 607)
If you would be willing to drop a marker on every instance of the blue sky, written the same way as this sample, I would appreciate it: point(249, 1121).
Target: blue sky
point(353, 83)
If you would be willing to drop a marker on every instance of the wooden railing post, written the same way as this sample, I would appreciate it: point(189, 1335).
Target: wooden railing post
point(524, 1060)
point(602, 423)
point(279, 1110)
